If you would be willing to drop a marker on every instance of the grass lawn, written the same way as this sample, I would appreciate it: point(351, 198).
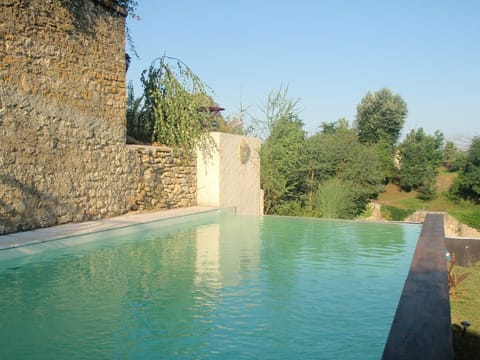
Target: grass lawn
point(393, 196)
point(463, 211)
point(465, 305)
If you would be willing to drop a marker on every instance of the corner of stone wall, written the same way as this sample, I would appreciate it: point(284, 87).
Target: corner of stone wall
point(110, 4)
point(454, 228)
point(166, 179)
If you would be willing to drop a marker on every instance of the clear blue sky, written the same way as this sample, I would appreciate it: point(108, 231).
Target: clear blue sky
point(328, 52)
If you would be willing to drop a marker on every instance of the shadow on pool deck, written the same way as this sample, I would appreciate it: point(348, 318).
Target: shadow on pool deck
point(421, 328)
point(63, 231)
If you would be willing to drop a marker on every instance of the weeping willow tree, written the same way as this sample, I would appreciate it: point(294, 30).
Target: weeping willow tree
point(176, 106)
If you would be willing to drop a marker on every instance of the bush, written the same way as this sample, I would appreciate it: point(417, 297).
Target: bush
point(467, 184)
point(428, 190)
point(394, 213)
point(334, 199)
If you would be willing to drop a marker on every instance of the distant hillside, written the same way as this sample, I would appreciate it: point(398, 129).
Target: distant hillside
point(396, 204)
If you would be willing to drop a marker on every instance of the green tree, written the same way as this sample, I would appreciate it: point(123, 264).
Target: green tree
point(367, 174)
point(282, 155)
point(337, 154)
point(420, 156)
point(279, 106)
point(327, 154)
point(380, 117)
point(467, 185)
point(453, 158)
point(333, 127)
point(386, 161)
point(427, 190)
point(175, 105)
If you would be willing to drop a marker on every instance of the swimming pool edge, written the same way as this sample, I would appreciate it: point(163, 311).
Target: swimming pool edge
point(42, 235)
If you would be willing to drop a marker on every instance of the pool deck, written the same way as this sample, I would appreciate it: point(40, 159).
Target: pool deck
point(36, 236)
point(421, 328)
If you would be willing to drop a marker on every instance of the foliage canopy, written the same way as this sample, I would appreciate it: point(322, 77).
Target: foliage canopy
point(328, 174)
point(339, 155)
point(420, 155)
point(281, 154)
point(453, 158)
point(380, 116)
point(467, 185)
point(174, 108)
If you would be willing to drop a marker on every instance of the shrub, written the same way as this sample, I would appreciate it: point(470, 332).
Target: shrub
point(427, 191)
point(335, 200)
point(394, 213)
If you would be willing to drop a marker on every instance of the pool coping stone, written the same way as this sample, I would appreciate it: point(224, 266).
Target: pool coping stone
point(24, 238)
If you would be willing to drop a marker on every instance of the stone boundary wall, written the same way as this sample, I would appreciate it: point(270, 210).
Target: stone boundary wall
point(164, 181)
point(63, 156)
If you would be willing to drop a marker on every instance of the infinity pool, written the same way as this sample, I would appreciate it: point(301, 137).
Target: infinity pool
point(208, 287)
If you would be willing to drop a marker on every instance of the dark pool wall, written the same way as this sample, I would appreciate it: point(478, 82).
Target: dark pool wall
point(63, 156)
point(467, 251)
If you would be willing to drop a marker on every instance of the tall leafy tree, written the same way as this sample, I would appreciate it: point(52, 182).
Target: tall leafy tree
point(282, 155)
point(420, 156)
point(333, 127)
point(380, 117)
point(467, 185)
point(453, 158)
point(330, 153)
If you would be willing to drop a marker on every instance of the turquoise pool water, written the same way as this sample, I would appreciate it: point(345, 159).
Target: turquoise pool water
point(216, 287)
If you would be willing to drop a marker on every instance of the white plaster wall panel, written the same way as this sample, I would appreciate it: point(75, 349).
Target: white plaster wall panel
point(231, 178)
point(208, 175)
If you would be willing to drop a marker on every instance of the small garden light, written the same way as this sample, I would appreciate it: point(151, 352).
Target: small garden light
point(465, 324)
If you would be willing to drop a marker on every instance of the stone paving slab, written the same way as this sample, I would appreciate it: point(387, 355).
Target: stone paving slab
point(62, 231)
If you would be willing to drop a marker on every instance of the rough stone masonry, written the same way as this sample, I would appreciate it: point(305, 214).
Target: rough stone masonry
point(63, 156)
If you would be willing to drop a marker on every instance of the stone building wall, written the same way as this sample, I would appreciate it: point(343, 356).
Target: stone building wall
point(164, 181)
point(63, 156)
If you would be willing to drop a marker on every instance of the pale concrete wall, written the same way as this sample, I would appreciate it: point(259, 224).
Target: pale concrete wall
point(230, 176)
point(208, 175)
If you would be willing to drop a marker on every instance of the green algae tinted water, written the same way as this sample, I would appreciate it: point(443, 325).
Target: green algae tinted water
point(223, 287)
